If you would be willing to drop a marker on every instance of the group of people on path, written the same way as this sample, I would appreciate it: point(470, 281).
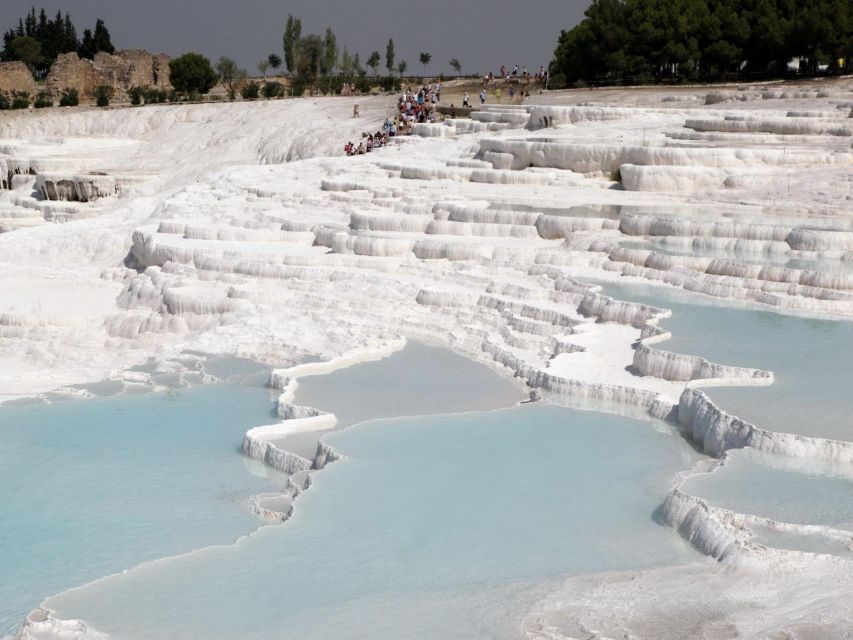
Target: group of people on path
point(419, 107)
point(523, 95)
point(515, 74)
point(371, 142)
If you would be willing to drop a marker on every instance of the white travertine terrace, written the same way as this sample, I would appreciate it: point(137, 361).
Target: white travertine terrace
point(242, 229)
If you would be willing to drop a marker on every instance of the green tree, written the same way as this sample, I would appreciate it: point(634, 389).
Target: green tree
point(55, 37)
point(456, 66)
point(27, 50)
point(389, 56)
point(87, 46)
point(346, 63)
point(101, 38)
point(373, 62)
point(230, 75)
point(425, 58)
point(192, 73)
point(292, 37)
point(330, 52)
point(310, 57)
point(274, 62)
point(401, 67)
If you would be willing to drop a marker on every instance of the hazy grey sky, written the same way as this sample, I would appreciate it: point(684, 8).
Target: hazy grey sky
point(482, 34)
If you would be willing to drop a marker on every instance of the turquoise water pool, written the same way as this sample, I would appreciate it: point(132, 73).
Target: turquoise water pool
point(88, 488)
point(430, 527)
point(810, 358)
point(782, 489)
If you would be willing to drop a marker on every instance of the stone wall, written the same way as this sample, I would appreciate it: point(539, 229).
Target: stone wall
point(71, 72)
point(121, 71)
point(15, 76)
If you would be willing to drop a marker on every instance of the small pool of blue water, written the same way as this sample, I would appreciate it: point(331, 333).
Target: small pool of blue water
point(430, 527)
point(810, 358)
point(89, 488)
point(782, 489)
point(420, 379)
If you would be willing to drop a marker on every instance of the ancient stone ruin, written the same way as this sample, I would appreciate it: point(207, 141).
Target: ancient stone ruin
point(15, 76)
point(120, 71)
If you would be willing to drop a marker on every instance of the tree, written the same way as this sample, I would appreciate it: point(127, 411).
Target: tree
point(389, 56)
point(373, 62)
point(292, 36)
point(425, 58)
point(310, 57)
point(402, 66)
point(87, 46)
point(55, 37)
point(101, 38)
point(456, 66)
point(230, 75)
point(263, 67)
point(96, 42)
point(648, 40)
point(356, 66)
point(192, 73)
point(274, 61)
point(27, 50)
point(346, 63)
point(330, 52)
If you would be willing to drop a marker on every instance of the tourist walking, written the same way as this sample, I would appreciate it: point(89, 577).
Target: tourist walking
point(483, 97)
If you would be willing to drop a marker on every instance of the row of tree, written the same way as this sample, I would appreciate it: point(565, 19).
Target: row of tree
point(315, 56)
point(38, 41)
point(655, 40)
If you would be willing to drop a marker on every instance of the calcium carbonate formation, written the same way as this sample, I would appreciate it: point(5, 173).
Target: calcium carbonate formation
point(242, 228)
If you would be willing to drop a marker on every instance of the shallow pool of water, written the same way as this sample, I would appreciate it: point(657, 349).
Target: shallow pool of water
point(430, 527)
point(91, 487)
point(810, 358)
point(418, 380)
point(779, 488)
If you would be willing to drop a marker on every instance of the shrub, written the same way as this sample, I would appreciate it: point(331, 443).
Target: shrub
point(297, 86)
point(136, 94)
point(251, 91)
point(273, 89)
point(362, 85)
point(20, 100)
point(103, 94)
point(390, 83)
point(69, 98)
point(43, 100)
point(173, 96)
point(5, 103)
point(153, 95)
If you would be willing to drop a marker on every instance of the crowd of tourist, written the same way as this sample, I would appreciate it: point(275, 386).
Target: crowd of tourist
point(371, 141)
point(420, 106)
point(516, 74)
